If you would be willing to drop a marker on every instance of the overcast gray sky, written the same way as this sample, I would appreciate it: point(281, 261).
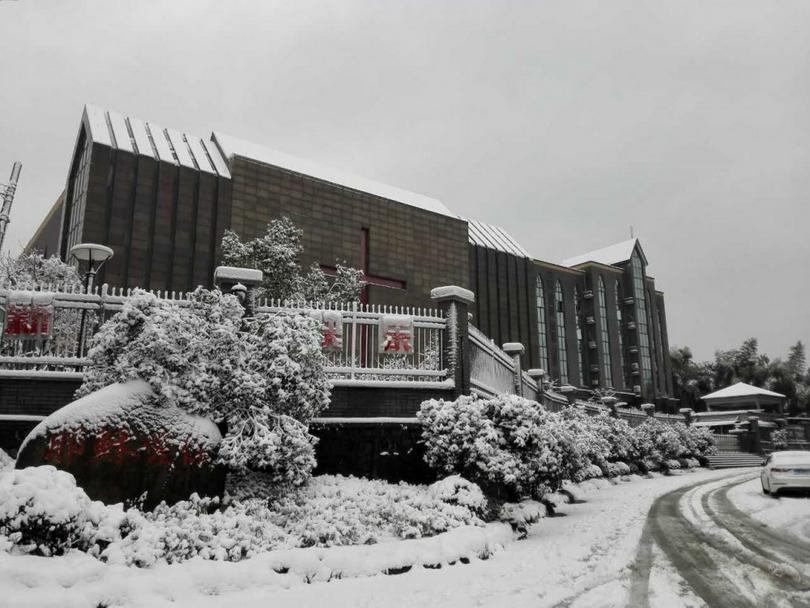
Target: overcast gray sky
point(564, 122)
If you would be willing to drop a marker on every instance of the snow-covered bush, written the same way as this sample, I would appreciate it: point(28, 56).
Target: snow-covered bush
point(779, 439)
point(455, 490)
point(618, 469)
point(6, 461)
point(672, 464)
point(264, 378)
point(34, 269)
point(510, 446)
point(43, 512)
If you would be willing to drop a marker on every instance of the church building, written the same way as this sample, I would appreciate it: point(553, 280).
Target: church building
point(162, 200)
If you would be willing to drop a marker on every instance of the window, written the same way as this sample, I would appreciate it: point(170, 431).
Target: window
point(562, 346)
point(580, 349)
point(542, 329)
point(639, 294)
point(619, 324)
point(607, 376)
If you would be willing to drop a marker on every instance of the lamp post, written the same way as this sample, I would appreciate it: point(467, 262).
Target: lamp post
point(94, 255)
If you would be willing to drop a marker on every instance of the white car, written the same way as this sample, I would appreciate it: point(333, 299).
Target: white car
point(788, 469)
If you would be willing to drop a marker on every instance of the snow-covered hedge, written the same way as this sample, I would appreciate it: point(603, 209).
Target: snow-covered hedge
point(6, 461)
point(42, 511)
point(514, 448)
point(264, 378)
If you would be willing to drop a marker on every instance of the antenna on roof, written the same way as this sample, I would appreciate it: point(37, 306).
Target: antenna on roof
point(7, 196)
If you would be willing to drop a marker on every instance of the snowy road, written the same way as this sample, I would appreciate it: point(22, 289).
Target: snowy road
point(702, 541)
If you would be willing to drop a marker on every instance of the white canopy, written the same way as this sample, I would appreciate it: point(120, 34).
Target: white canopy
point(741, 389)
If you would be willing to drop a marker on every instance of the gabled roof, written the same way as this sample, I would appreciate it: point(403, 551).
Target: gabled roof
point(494, 237)
point(610, 255)
point(148, 139)
point(741, 389)
point(233, 146)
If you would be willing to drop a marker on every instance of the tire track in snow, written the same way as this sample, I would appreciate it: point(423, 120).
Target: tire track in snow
point(705, 561)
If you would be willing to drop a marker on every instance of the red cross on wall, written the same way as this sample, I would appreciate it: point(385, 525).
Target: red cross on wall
point(369, 279)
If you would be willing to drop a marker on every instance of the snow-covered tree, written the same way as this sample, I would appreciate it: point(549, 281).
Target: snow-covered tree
point(277, 254)
point(29, 269)
point(264, 380)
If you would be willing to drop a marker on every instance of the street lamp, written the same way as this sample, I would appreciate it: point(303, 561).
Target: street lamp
point(94, 255)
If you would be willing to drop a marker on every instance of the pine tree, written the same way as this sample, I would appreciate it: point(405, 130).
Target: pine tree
point(797, 361)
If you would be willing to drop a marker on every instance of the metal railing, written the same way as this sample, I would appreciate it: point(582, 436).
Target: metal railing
point(359, 358)
point(492, 371)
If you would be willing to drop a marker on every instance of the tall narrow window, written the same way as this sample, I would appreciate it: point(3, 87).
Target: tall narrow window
point(639, 294)
point(619, 325)
point(542, 329)
point(580, 349)
point(607, 376)
point(562, 346)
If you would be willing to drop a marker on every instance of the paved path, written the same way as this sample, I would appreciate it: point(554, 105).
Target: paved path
point(726, 558)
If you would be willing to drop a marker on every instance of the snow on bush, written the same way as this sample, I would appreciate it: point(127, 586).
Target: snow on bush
point(513, 448)
point(264, 377)
point(455, 490)
point(43, 512)
point(510, 446)
point(6, 461)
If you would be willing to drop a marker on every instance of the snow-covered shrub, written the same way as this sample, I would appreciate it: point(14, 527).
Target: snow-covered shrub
point(658, 441)
point(455, 490)
point(590, 471)
point(591, 434)
point(618, 469)
point(703, 440)
point(779, 439)
point(672, 464)
point(692, 463)
point(264, 378)
point(6, 461)
point(510, 446)
point(43, 512)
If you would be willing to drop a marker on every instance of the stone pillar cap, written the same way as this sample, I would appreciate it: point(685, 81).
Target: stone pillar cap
point(234, 274)
point(536, 372)
point(647, 406)
point(685, 410)
point(452, 292)
point(513, 348)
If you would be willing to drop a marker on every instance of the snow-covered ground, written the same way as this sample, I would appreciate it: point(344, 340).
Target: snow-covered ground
point(790, 513)
point(581, 559)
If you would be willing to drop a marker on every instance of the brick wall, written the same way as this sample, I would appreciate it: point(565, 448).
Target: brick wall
point(423, 248)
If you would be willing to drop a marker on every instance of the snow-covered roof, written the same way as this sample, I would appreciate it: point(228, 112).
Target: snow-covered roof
point(233, 146)
point(741, 389)
point(612, 254)
point(494, 237)
point(147, 139)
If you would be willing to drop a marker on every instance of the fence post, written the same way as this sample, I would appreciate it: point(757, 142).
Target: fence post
point(649, 409)
point(537, 375)
point(241, 282)
point(454, 302)
point(514, 350)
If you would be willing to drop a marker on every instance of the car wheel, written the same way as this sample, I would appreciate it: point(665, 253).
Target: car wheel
point(764, 491)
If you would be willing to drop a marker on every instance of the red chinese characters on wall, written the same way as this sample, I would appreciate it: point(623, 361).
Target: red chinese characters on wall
point(396, 334)
point(118, 447)
point(28, 315)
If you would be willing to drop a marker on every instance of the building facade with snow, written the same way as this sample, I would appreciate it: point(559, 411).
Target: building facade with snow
point(162, 200)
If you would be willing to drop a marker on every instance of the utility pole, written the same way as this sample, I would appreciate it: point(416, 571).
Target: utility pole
point(7, 195)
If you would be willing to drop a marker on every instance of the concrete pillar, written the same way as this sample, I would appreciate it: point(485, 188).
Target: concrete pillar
point(649, 409)
point(538, 375)
point(688, 415)
point(455, 302)
point(241, 282)
point(515, 350)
